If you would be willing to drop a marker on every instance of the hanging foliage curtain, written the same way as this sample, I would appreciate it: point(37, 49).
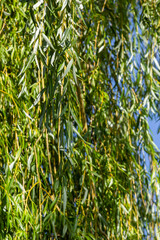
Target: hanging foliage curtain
point(78, 81)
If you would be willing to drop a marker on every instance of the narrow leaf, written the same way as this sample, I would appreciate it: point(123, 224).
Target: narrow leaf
point(85, 195)
point(47, 40)
point(64, 199)
point(68, 68)
point(37, 4)
point(64, 5)
point(37, 99)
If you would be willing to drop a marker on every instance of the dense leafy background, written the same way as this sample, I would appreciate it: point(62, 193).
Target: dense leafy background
point(78, 81)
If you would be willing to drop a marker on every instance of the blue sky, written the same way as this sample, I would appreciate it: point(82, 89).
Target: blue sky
point(154, 124)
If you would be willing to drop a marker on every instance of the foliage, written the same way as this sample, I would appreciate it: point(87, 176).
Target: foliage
point(78, 81)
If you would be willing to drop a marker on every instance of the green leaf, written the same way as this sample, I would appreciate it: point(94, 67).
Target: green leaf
point(70, 159)
point(85, 195)
point(48, 41)
point(64, 230)
point(18, 153)
point(12, 165)
point(61, 66)
point(33, 16)
point(29, 62)
point(37, 4)
point(53, 58)
point(68, 68)
point(64, 199)
point(79, 11)
point(74, 74)
point(75, 118)
point(64, 5)
point(38, 98)
point(15, 159)
point(78, 134)
point(29, 161)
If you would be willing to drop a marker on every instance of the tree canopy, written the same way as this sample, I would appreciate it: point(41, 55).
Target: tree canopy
point(78, 83)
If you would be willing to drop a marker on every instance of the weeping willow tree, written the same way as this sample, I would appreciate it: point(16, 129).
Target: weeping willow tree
point(78, 82)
